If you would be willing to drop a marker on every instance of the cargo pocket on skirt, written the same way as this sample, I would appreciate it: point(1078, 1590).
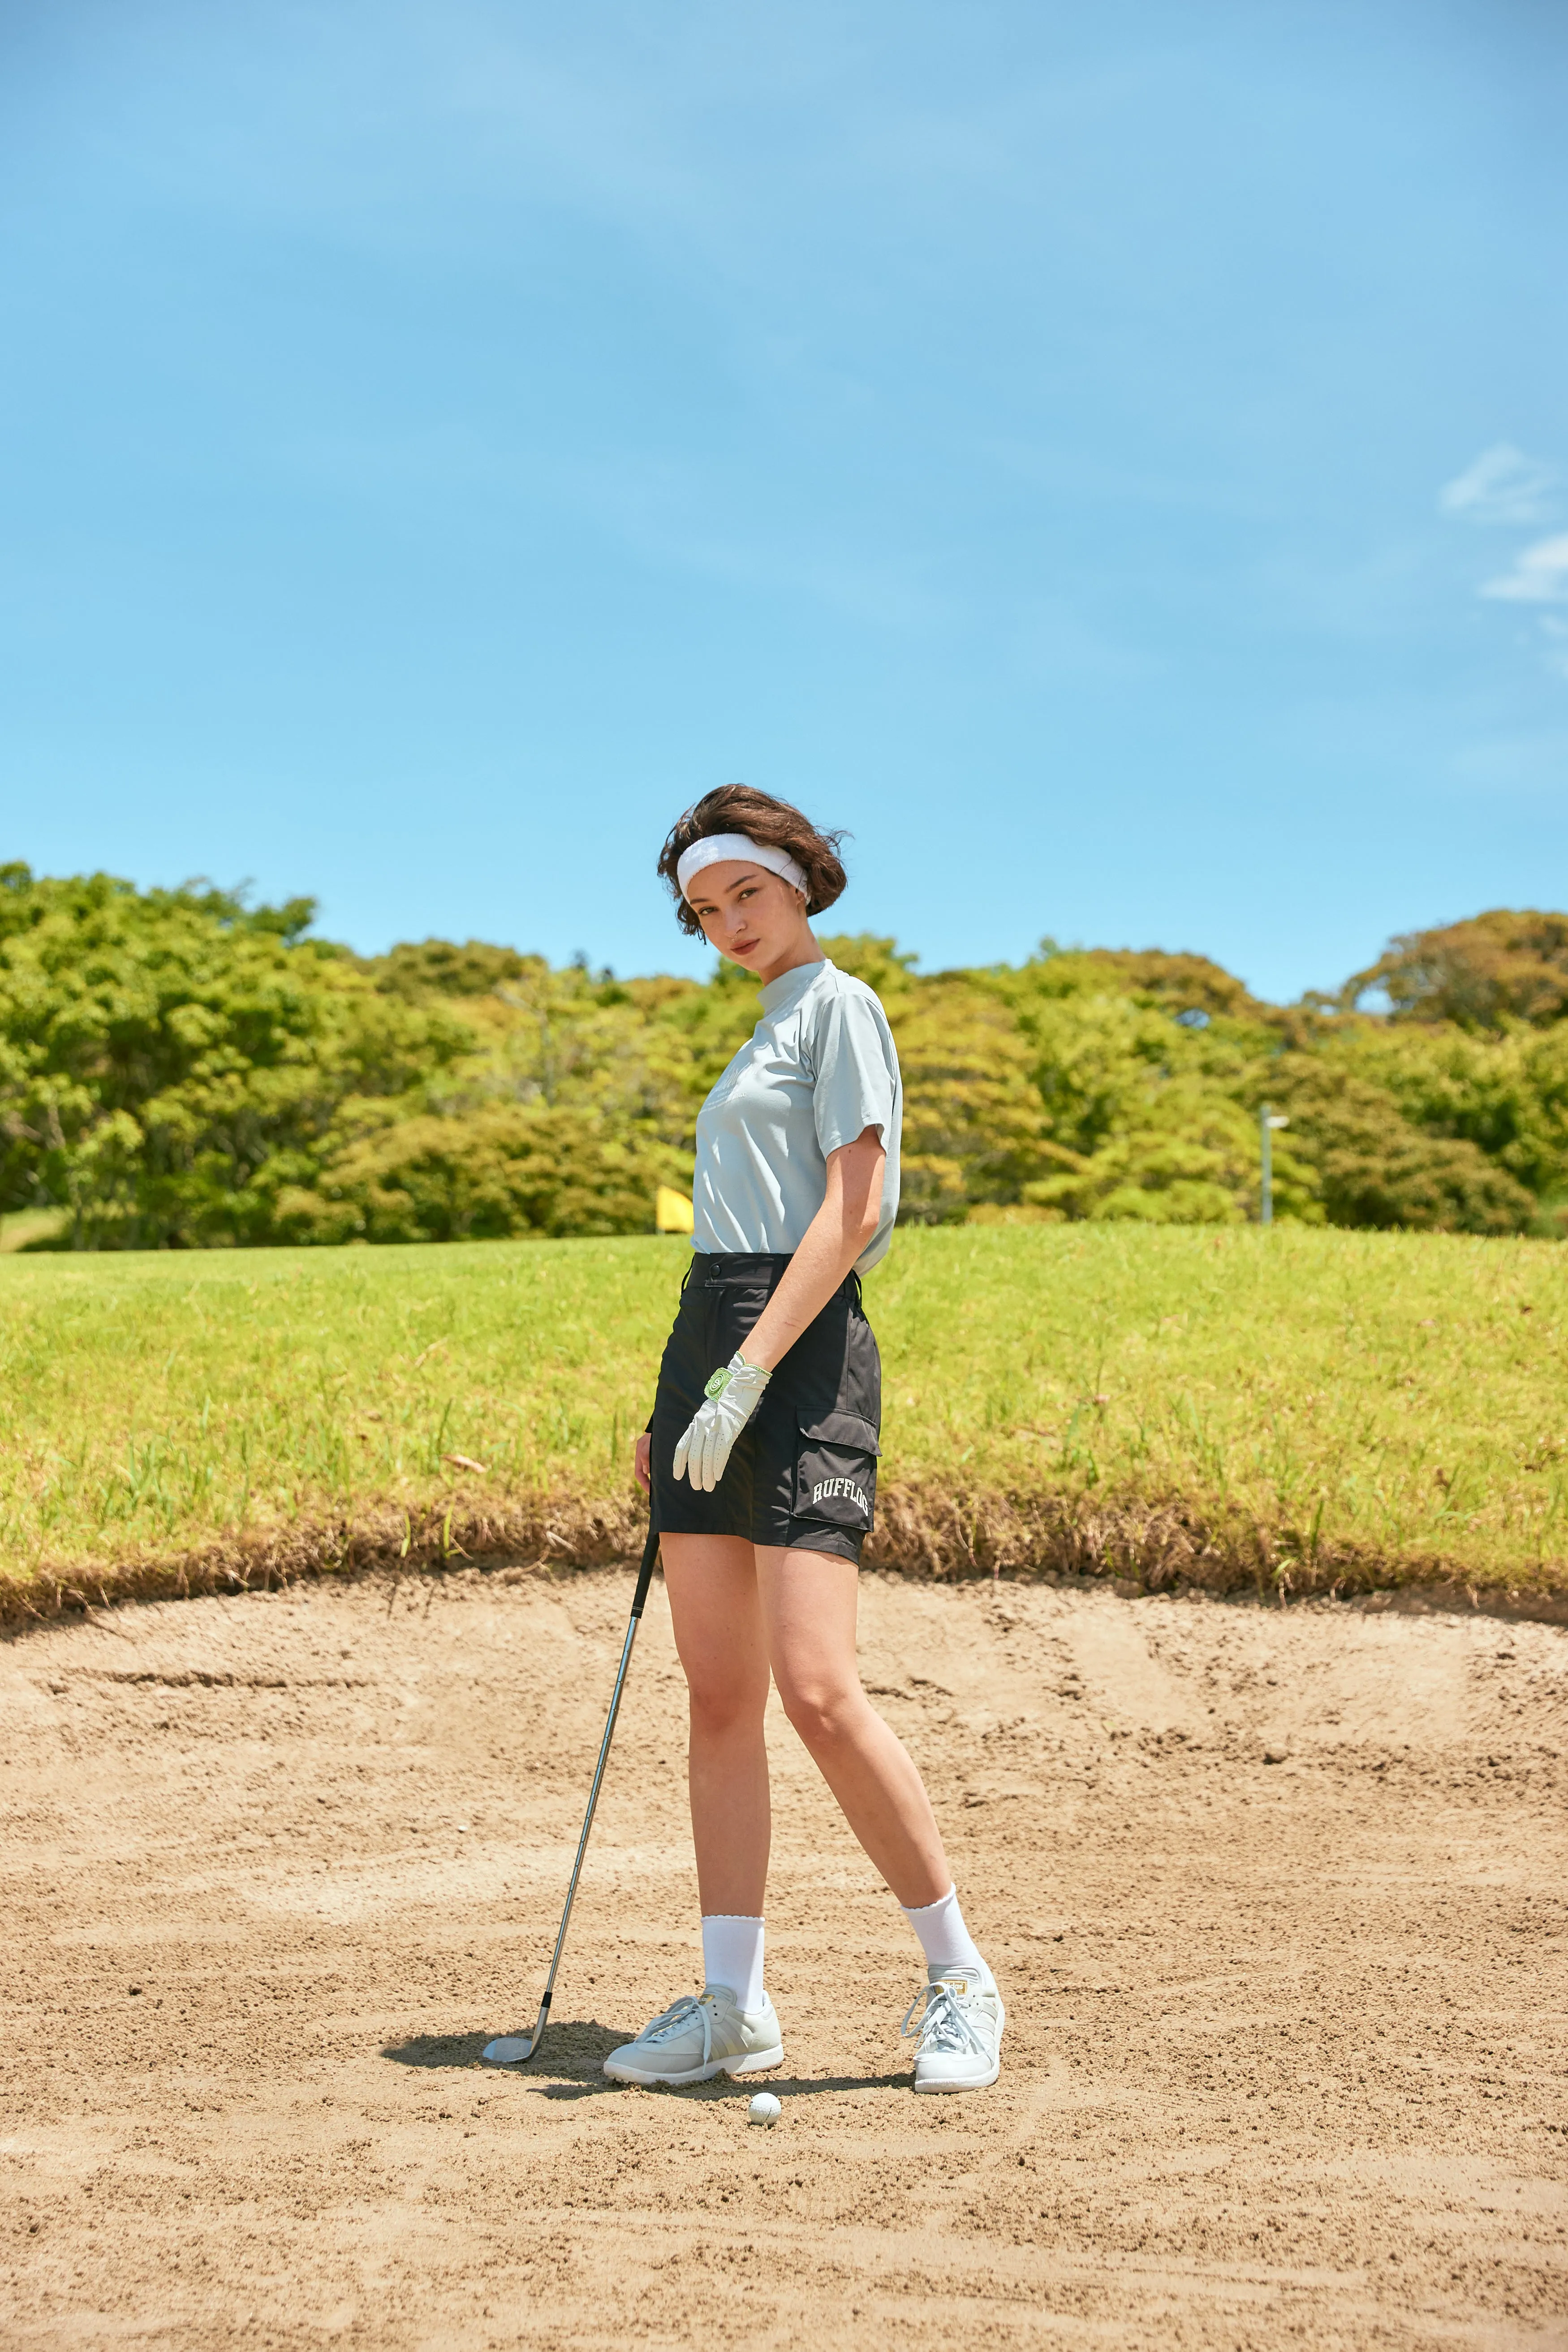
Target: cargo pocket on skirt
point(835, 1472)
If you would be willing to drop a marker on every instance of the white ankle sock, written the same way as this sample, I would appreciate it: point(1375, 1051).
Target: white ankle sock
point(732, 1956)
point(944, 1939)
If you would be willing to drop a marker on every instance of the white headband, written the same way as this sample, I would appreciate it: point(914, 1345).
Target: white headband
point(716, 848)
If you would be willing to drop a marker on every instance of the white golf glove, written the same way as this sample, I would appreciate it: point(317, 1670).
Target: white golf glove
point(733, 1396)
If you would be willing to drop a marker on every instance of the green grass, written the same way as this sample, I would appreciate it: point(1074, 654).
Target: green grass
point(1323, 1401)
point(25, 1227)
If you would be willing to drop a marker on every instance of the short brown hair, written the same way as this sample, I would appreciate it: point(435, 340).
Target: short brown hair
point(771, 824)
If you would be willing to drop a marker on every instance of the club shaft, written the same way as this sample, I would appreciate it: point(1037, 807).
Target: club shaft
point(650, 1553)
point(588, 1816)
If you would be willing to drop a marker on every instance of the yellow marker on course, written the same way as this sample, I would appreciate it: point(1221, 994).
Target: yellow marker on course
point(671, 1210)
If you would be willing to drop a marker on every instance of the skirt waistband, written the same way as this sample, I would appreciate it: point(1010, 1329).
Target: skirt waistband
point(723, 1269)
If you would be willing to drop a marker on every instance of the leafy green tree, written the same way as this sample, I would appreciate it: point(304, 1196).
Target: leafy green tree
point(974, 1128)
point(1179, 985)
point(498, 1172)
point(1509, 965)
point(1507, 1094)
point(168, 1056)
point(1376, 1167)
point(1149, 1092)
point(435, 968)
point(1183, 1154)
point(178, 1069)
point(569, 1037)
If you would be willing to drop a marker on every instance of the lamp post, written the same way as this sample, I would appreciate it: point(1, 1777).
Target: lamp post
point(1268, 1119)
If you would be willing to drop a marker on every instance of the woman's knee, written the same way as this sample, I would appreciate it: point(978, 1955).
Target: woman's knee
point(823, 1707)
point(724, 1702)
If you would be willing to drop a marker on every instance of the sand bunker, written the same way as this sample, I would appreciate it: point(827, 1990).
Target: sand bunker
point(1286, 2060)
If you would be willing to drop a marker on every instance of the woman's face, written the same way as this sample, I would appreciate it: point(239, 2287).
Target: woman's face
point(753, 917)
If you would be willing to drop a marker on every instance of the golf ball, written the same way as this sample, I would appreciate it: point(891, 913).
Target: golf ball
point(764, 2109)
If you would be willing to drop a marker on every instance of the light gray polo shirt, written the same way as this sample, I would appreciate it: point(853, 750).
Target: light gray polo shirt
point(818, 1069)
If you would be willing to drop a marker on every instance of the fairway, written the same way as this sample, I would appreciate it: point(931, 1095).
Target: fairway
point(1286, 1410)
point(1283, 2064)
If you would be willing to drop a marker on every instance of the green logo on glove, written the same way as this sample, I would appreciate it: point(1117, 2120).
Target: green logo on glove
point(719, 1383)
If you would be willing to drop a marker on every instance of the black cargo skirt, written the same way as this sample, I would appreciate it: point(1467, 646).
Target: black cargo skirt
point(802, 1472)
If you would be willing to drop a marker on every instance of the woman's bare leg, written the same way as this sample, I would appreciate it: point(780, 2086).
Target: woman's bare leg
point(712, 1581)
point(807, 1613)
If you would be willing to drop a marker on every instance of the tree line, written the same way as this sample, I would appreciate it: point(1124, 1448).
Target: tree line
point(180, 1069)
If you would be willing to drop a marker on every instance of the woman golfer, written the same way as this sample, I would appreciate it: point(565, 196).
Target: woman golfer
point(763, 1452)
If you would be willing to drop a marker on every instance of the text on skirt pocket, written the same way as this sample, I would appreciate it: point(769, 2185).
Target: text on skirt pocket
point(835, 1471)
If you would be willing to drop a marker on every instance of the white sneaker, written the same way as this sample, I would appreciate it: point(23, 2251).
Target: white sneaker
point(958, 2029)
point(695, 2039)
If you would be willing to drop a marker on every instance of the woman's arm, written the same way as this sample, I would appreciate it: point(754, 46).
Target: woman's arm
point(833, 1240)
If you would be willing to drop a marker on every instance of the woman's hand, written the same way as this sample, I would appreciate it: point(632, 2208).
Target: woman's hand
point(642, 1462)
point(733, 1397)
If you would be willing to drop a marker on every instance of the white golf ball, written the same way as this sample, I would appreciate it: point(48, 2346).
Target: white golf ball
point(764, 2109)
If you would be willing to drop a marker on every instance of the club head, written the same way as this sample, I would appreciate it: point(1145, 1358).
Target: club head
point(516, 2049)
point(511, 2049)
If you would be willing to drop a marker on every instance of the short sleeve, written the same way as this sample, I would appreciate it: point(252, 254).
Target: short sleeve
point(856, 1072)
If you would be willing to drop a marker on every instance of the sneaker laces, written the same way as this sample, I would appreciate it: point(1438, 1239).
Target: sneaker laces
point(681, 2014)
point(942, 2025)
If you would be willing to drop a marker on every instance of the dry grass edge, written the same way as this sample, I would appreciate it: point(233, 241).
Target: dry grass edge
point(1140, 1546)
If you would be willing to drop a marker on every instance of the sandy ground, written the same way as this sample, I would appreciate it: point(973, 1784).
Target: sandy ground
point(1286, 2060)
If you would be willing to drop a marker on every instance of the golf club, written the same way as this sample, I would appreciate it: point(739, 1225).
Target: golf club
point(513, 2049)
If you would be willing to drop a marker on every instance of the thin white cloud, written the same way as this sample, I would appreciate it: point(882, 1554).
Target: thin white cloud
point(1538, 574)
point(1502, 485)
point(1556, 635)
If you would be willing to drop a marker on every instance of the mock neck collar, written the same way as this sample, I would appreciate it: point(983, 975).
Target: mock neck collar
point(783, 994)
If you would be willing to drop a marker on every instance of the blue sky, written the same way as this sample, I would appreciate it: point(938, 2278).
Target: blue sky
point(1115, 460)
